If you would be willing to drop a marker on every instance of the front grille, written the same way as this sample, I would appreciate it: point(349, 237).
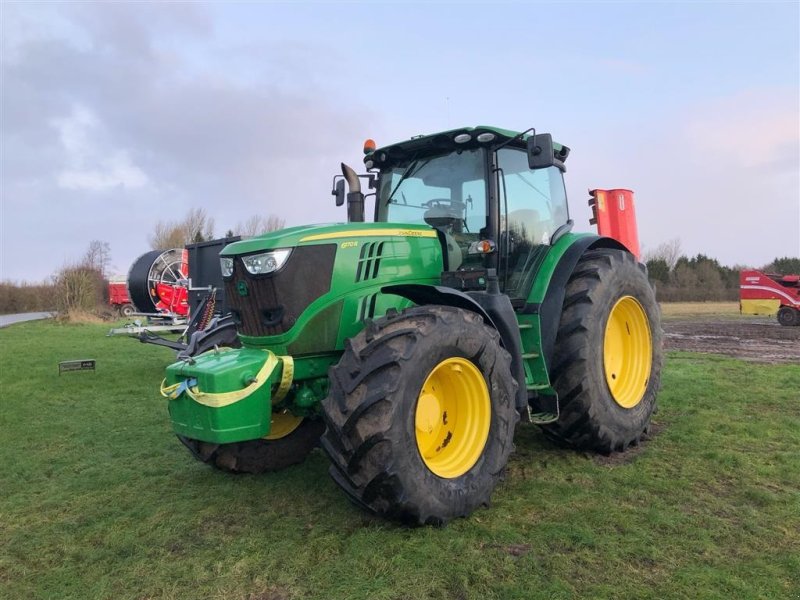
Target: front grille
point(271, 304)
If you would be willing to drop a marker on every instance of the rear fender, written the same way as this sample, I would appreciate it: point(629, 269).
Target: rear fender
point(553, 284)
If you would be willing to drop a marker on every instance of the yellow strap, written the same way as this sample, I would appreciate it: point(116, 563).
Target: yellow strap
point(219, 400)
point(286, 379)
point(168, 392)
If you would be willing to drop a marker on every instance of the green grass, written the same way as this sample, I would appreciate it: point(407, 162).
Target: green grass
point(99, 500)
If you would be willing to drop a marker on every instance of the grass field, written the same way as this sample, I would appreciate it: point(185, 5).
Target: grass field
point(699, 309)
point(99, 500)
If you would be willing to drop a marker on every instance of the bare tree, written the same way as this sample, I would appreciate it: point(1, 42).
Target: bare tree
point(97, 257)
point(81, 286)
point(167, 235)
point(669, 252)
point(197, 226)
point(258, 224)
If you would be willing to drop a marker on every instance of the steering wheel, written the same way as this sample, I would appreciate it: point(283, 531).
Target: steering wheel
point(437, 202)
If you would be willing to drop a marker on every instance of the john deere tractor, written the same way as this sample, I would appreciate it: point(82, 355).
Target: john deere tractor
point(410, 347)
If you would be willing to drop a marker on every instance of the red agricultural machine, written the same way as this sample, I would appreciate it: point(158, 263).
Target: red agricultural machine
point(119, 299)
point(768, 294)
point(162, 287)
point(156, 284)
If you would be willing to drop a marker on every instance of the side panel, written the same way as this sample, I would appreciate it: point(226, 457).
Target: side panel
point(758, 291)
point(759, 307)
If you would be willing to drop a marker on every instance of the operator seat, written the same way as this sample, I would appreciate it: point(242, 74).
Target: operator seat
point(453, 251)
point(526, 225)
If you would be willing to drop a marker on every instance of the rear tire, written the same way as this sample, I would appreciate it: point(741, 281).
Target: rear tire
point(420, 415)
point(788, 316)
point(607, 364)
point(126, 310)
point(259, 456)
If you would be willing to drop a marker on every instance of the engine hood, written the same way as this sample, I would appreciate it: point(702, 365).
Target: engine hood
point(326, 234)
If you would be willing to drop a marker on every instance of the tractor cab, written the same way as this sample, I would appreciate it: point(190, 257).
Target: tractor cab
point(495, 197)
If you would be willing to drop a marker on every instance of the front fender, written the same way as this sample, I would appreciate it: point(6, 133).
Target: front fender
point(436, 294)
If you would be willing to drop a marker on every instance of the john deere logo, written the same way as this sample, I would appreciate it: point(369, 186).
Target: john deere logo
point(241, 287)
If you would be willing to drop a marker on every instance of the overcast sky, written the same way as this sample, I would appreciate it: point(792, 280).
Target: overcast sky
point(118, 115)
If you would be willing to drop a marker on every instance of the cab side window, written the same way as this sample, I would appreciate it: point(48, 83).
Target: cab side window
point(533, 204)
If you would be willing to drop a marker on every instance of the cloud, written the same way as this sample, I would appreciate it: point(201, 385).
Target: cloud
point(113, 114)
point(93, 167)
point(749, 129)
point(117, 172)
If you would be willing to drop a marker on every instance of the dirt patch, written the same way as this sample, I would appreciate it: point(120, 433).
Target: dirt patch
point(753, 339)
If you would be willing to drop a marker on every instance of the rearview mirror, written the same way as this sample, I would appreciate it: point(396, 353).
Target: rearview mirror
point(338, 191)
point(540, 151)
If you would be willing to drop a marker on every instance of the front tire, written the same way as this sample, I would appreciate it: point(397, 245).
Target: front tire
point(607, 363)
point(289, 444)
point(420, 416)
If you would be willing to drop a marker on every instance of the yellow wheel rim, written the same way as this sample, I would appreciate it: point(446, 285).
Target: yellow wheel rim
point(627, 352)
point(452, 417)
point(283, 423)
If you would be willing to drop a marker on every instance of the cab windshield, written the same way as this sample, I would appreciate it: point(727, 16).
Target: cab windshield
point(447, 192)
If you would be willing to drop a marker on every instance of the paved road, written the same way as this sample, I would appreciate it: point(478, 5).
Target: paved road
point(11, 319)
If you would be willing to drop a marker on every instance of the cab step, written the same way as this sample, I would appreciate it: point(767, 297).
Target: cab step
point(543, 409)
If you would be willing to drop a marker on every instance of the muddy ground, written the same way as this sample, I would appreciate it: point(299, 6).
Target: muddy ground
point(753, 339)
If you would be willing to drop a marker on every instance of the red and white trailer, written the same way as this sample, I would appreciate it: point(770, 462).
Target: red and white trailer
point(768, 294)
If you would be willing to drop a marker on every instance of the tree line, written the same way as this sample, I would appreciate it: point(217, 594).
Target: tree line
point(82, 286)
point(700, 278)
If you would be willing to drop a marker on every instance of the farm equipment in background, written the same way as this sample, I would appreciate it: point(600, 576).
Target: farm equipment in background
point(415, 343)
point(769, 294)
point(157, 283)
point(118, 298)
point(181, 284)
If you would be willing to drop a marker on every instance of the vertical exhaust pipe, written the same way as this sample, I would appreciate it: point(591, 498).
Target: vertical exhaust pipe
point(355, 199)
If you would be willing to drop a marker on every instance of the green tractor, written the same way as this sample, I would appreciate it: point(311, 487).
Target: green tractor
point(410, 347)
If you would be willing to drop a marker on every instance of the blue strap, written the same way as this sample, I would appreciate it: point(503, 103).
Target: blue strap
point(175, 391)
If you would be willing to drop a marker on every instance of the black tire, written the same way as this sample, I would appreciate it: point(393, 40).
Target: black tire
point(149, 268)
point(788, 316)
point(370, 414)
point(126, 310)
point(591, 418)
point(259, 456)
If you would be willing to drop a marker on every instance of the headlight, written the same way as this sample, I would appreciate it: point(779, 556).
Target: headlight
point(226, 264)
point(260, 264)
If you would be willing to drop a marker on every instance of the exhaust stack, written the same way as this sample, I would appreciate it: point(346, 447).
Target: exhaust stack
point(355, 199)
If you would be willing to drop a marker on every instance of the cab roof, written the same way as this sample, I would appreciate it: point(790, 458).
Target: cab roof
point(444, 141)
